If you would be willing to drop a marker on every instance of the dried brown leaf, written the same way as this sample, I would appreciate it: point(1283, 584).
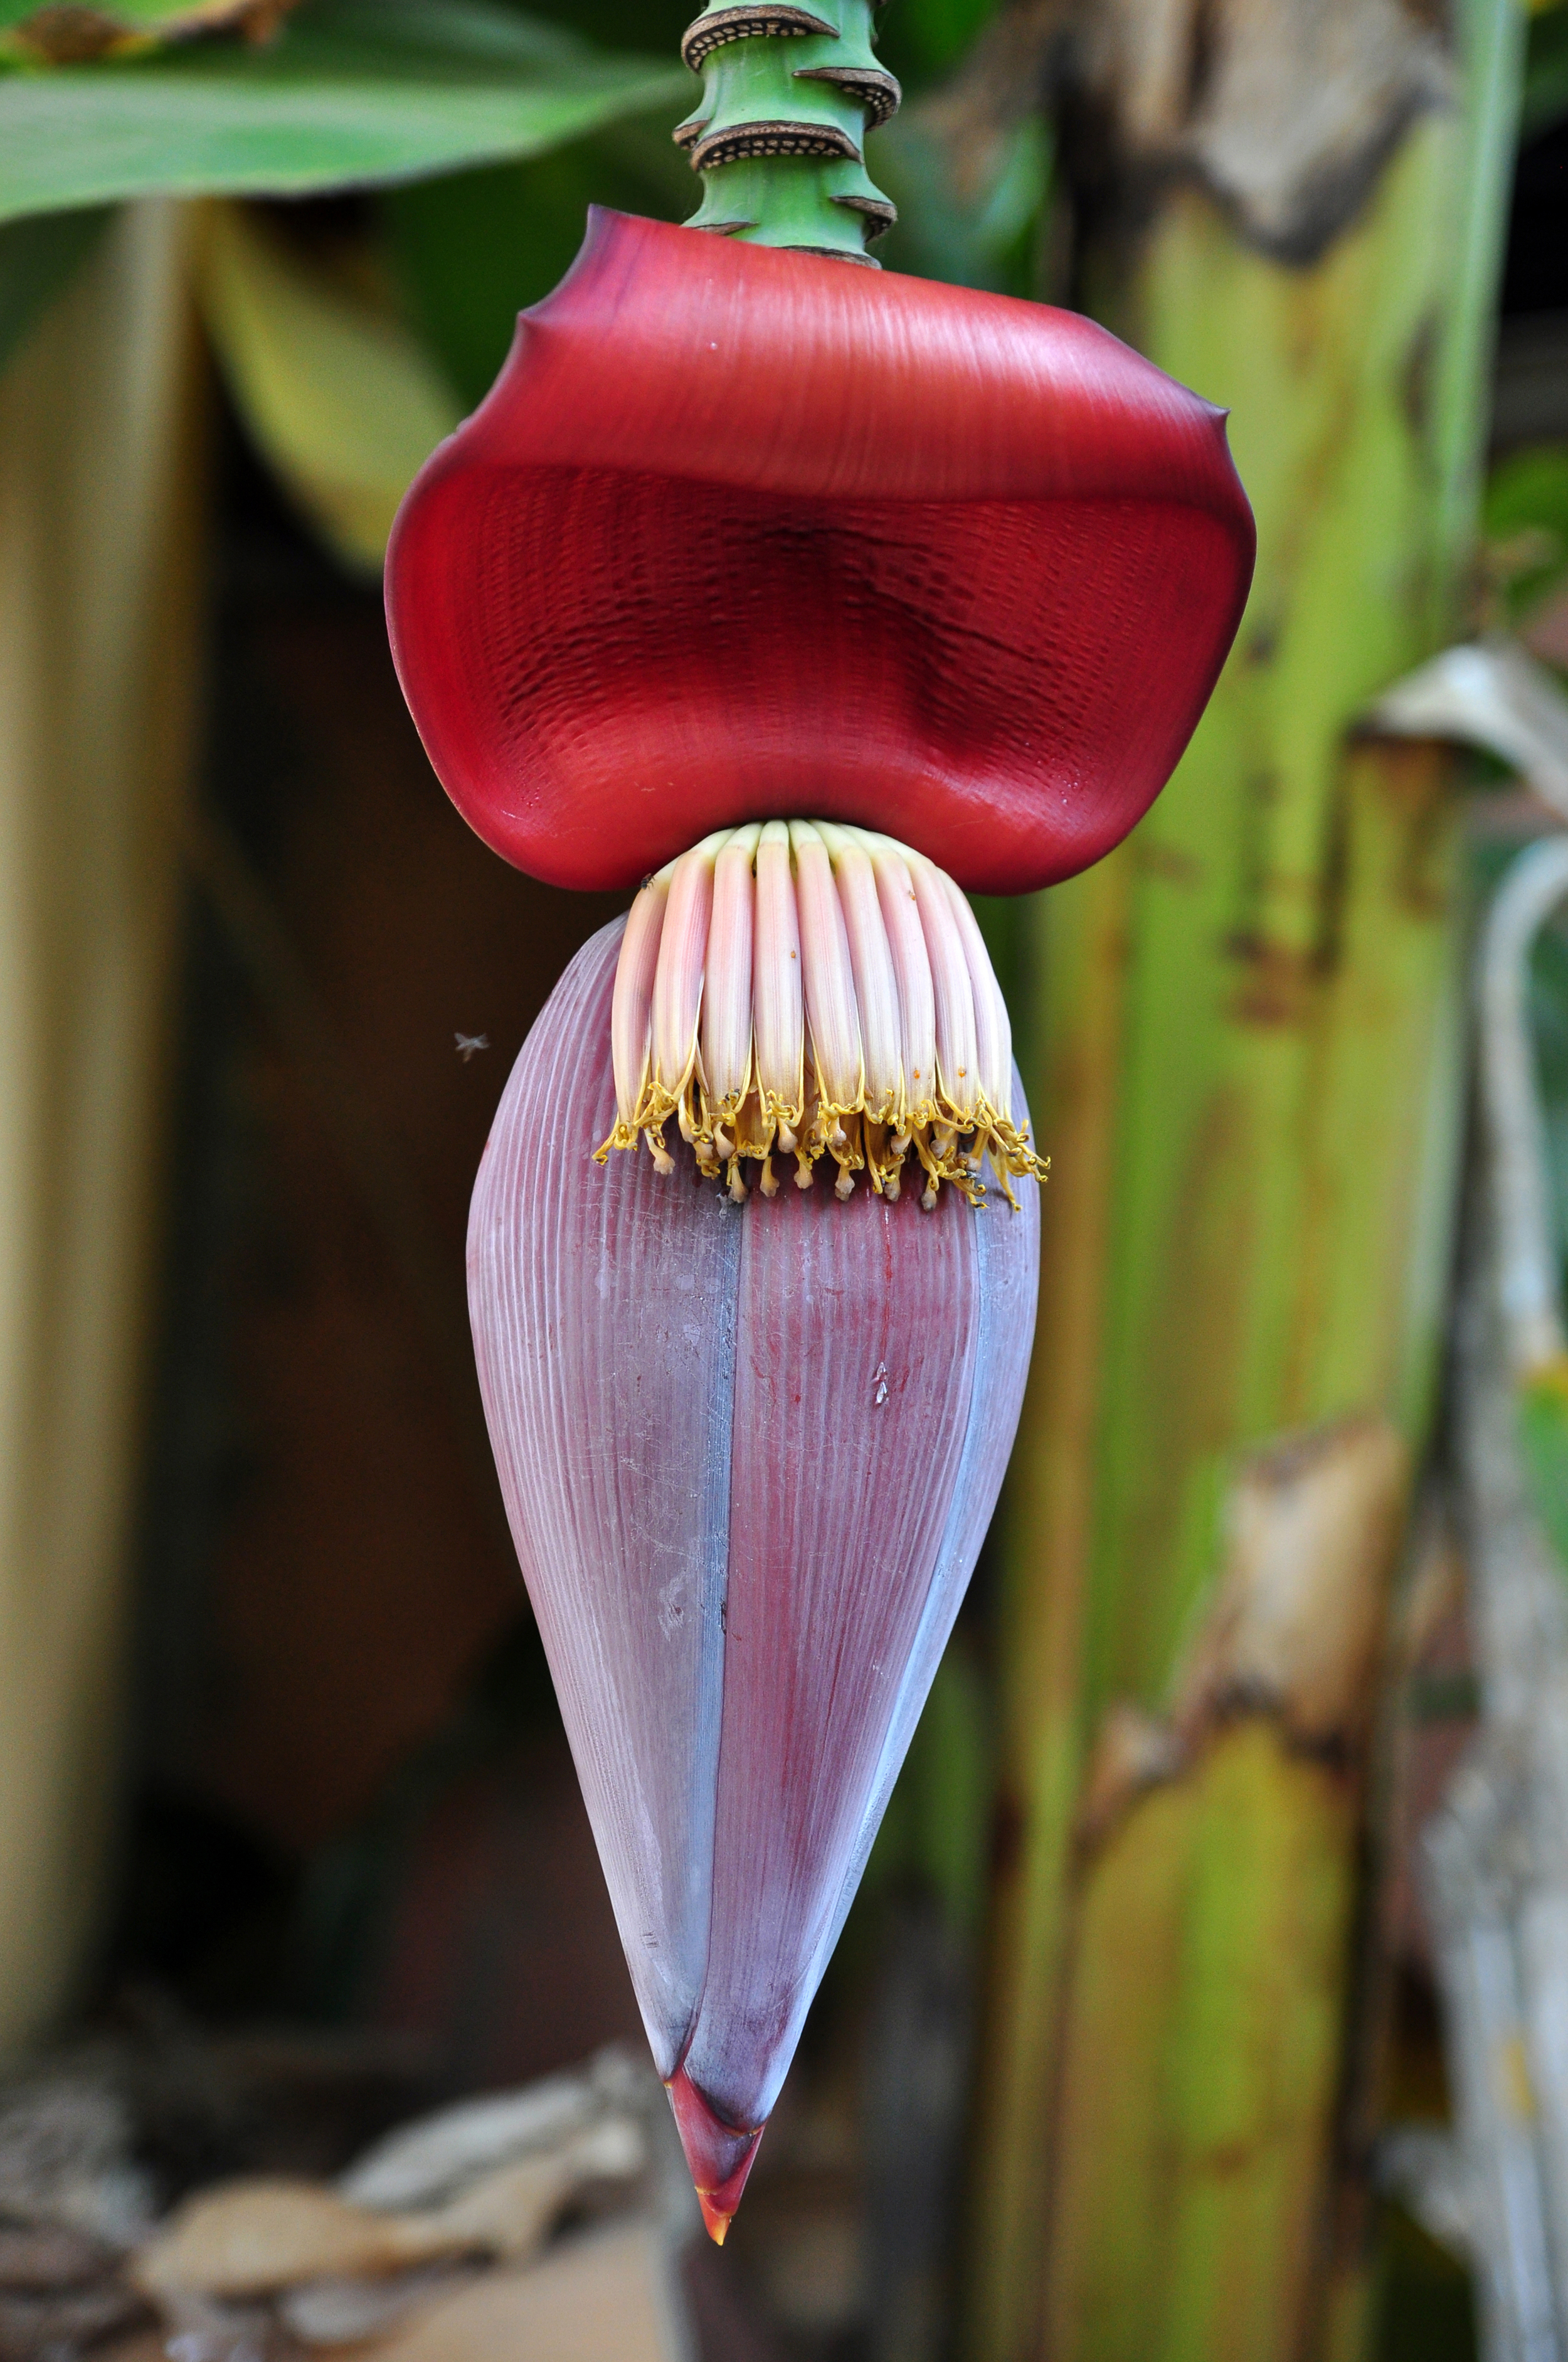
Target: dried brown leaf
point(256, 2238)
point(348, 2312)
point(249, 2238)
point(606, 2299)
point(509, 2213)
point(66, 32)
point(1312, 1524)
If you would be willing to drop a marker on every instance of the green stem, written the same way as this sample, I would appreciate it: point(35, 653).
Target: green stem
point(778, 135)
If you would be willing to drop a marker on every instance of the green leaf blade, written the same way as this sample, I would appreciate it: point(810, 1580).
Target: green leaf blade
point(346, 97)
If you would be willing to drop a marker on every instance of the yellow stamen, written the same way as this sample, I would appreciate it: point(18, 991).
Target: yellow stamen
point(810, 990)
point(871, 957)
point(778, 1033)
point(833, 1014)
point(631, 1019)
point(727, 987)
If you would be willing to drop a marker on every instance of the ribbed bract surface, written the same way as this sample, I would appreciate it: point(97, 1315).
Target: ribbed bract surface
point(749, 1453)
point(740, 533)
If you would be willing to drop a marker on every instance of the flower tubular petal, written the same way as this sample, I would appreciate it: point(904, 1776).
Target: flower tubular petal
point(871, 960)
point(911, 965)
point(831, 1012)
point(678, 982)
point(727, 984)
point(779, 1024)
point(957, 1057)
point(631, 1016)
point(993, 1026)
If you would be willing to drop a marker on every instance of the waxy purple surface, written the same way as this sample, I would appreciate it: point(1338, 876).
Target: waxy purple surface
point(749, 1454)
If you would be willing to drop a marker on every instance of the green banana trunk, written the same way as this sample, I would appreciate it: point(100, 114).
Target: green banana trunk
point(1242, 1045)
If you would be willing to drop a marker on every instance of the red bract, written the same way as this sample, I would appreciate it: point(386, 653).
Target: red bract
point(742, 533)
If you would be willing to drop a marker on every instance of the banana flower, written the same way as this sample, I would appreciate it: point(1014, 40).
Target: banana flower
point(801, 599)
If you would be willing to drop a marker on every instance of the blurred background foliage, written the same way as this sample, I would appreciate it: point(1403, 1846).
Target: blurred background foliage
point(351, 338)
point(358, 261)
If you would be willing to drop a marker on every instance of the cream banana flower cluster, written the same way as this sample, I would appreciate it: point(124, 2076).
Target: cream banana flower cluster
point(803, 989)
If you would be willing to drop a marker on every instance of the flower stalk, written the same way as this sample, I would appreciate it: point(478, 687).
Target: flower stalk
point(778, 135)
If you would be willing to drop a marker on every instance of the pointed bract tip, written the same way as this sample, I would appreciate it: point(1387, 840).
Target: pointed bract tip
point(720, 2156)
point(713, 2223)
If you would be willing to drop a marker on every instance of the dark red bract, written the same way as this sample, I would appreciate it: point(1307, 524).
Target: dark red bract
point(741, 532)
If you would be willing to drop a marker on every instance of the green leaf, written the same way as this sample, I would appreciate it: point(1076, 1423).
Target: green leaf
point(352, 92)
point(1526, 520)
point(342, 400)
point(1530, 486)
point(923, 38)
point(37, 258)
point(988, 237)
point(1546, 74)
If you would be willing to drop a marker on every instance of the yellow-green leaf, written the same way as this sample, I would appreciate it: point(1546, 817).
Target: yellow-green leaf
point(340, 399)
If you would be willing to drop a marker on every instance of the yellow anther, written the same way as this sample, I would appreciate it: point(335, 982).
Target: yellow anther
point(811, 989)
